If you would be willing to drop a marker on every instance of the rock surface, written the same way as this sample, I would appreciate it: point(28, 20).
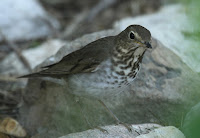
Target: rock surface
point(116, 132)
point(139, 131)
point(25, 20)
point(163, 132)
point(162, 92)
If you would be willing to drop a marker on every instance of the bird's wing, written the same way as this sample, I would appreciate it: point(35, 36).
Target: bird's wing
point(83, 60)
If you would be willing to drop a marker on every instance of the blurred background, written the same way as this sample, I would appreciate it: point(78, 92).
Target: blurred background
point(34, 30)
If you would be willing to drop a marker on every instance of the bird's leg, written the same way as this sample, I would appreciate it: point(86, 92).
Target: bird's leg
point(115, 117)
point(87, 121)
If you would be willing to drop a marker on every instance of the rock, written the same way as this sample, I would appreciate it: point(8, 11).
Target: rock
point(20, 22)
point(170, 26)
point(164, 89)
point(12, 127)
point(138, 131)
point(115, 131)
point(191, 122)
point(163, 132)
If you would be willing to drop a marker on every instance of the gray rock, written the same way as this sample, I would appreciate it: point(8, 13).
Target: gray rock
point(138, 131)
point(116, 132)
point(25, 20)
point(163, 132)
point(164, 89)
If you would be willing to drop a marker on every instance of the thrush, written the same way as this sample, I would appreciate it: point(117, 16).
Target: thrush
point(104, 67)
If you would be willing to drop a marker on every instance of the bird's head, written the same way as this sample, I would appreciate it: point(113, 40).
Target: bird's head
point(134, 37)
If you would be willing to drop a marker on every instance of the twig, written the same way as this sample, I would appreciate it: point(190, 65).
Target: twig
point(14, 47)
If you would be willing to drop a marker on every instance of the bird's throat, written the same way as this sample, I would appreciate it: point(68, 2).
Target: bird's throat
point(127, 62)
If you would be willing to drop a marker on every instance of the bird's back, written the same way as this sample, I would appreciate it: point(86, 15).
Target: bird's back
point(86, 59)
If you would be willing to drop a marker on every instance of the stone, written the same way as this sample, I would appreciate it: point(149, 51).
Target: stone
point(139, 131)
point(20, 22)
point(163, 91)
point(115, 131)
point(163, 132)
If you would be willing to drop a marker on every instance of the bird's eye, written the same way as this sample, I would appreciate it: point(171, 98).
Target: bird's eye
point(132, 36)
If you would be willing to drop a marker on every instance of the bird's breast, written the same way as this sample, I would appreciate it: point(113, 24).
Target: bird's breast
point(109, 79)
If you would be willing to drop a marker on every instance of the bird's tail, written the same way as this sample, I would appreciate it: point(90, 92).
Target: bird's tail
point(42, 74)
point(33, 75)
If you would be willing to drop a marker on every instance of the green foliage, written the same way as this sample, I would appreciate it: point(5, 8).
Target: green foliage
point(193, 12)
point(191, 128)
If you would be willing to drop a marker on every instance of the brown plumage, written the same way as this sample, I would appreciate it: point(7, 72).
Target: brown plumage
point(91, 56)
point(83, 60)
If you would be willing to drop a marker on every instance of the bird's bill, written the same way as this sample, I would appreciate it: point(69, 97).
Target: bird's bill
point(144, 45)
point(148, 45)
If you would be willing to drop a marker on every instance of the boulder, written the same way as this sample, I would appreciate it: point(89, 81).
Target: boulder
point(116, 131)
point(164, 90)
point(163, 132)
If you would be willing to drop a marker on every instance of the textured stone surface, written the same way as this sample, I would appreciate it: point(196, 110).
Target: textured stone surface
point(25, 20)
point(115, 132)
point(163, 132)
point(162, 92)
point(139, 131)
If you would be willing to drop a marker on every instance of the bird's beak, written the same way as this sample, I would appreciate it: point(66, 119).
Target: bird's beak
point(148, 45)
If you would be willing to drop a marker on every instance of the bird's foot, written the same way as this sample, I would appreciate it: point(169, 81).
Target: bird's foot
point(127, 126)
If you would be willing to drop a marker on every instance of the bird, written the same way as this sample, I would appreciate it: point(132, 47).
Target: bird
point(104, 67)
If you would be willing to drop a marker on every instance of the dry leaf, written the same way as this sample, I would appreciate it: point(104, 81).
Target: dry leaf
point(12, 127)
